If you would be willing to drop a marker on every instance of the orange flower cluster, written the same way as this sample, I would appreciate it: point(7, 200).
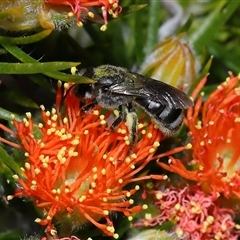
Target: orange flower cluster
point(215, 131)
point(75, 168)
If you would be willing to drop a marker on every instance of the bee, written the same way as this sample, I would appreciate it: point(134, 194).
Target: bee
point(121, 89)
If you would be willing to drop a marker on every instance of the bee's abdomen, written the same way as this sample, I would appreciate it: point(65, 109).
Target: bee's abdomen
point(167, 118)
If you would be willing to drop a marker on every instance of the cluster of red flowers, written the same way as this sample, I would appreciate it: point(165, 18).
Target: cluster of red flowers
point(80, 8)
point(196, 215)
point(215, 131)
point(75, 168)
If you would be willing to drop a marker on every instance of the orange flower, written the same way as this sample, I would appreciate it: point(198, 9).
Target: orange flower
point(81, 8)
point(75, 168)
point(215, 131)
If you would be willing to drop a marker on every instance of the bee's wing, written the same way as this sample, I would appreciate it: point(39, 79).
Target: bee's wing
point(137, 85)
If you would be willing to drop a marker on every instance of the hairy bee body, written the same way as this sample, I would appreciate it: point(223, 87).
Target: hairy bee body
point(118, 88)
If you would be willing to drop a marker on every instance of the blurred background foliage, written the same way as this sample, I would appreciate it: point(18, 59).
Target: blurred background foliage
point(213, 29)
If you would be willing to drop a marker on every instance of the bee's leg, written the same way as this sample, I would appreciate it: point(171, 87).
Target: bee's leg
point(118, 119)
point(89, 106)
point(132, 123)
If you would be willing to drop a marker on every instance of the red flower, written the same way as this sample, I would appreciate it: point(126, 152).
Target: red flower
point(81, 8)
point(195, 214)
point(215, 131)
point(75, 168)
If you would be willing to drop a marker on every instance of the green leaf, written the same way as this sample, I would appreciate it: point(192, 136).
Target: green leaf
point(8, 161)
point(23, 57)
point(30, 68)
point(132, 8)
point(214, 21)
point(6, 115)
point(26, 39)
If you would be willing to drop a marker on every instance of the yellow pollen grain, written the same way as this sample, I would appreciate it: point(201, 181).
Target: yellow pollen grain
point(145, 206)
point(143, 132)
point(148, 216)
point(49, 132)
point(29, 115)
point(115, 235)
point(59, 84)
point(40, 125)
point(54, 111)
point(237, 91)
point(95, 176)
point(37, 220)
point(34, 182)
point(104, 156)
point(110, 229)
point(54, 118)
point(140, 125)
point(123, 131)
point(104, 199)
point(169, 161)
point(103, 171)
point(132, 166)
point(103, 27)
point(48, 113)
point(128, 194)
point(45, 165)
point(79, 24)
point(108, 190)
point(111, 159)
point(120, 181)
point(26, 154)
point(27, 165)
point(66, 190)
point(156, 144)
point(58, 191)
point(209, 141)
point(94, 169)
point(15, 177)
point(66, 85)
point(65, 120)
point(159, 196)
point(152, 150)
point(127, 159)
point(126, 138)
point(165, 177)
point(63, 130)
point(115, 5)
point(82, 198)
point(26, 124)
point(131, 201)
point(91, 14)
point(137, 187)
point(189, 146)
point(37, 171)
point(54, 191)
point(130, 218)
point(149, 135)
point(210, 219)
point(42, 107)
point(106, 212)
point(101, 117)
point(127, 142)
point(228, 140)
point(75, 142)
point(211, 123)
point(93, 184)
point(202, 143)
point(134, 156)
point(177, 206)
point(237, 120)
point(179, 232)
point(13, 116)
point(10, 197)
point(22, 169)
point(63, 160)
point(42, 145)
point(110, 1)
point(103, 122)
point(90, 191)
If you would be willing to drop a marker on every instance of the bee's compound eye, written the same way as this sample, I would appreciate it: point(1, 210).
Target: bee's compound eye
point(83, 90)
